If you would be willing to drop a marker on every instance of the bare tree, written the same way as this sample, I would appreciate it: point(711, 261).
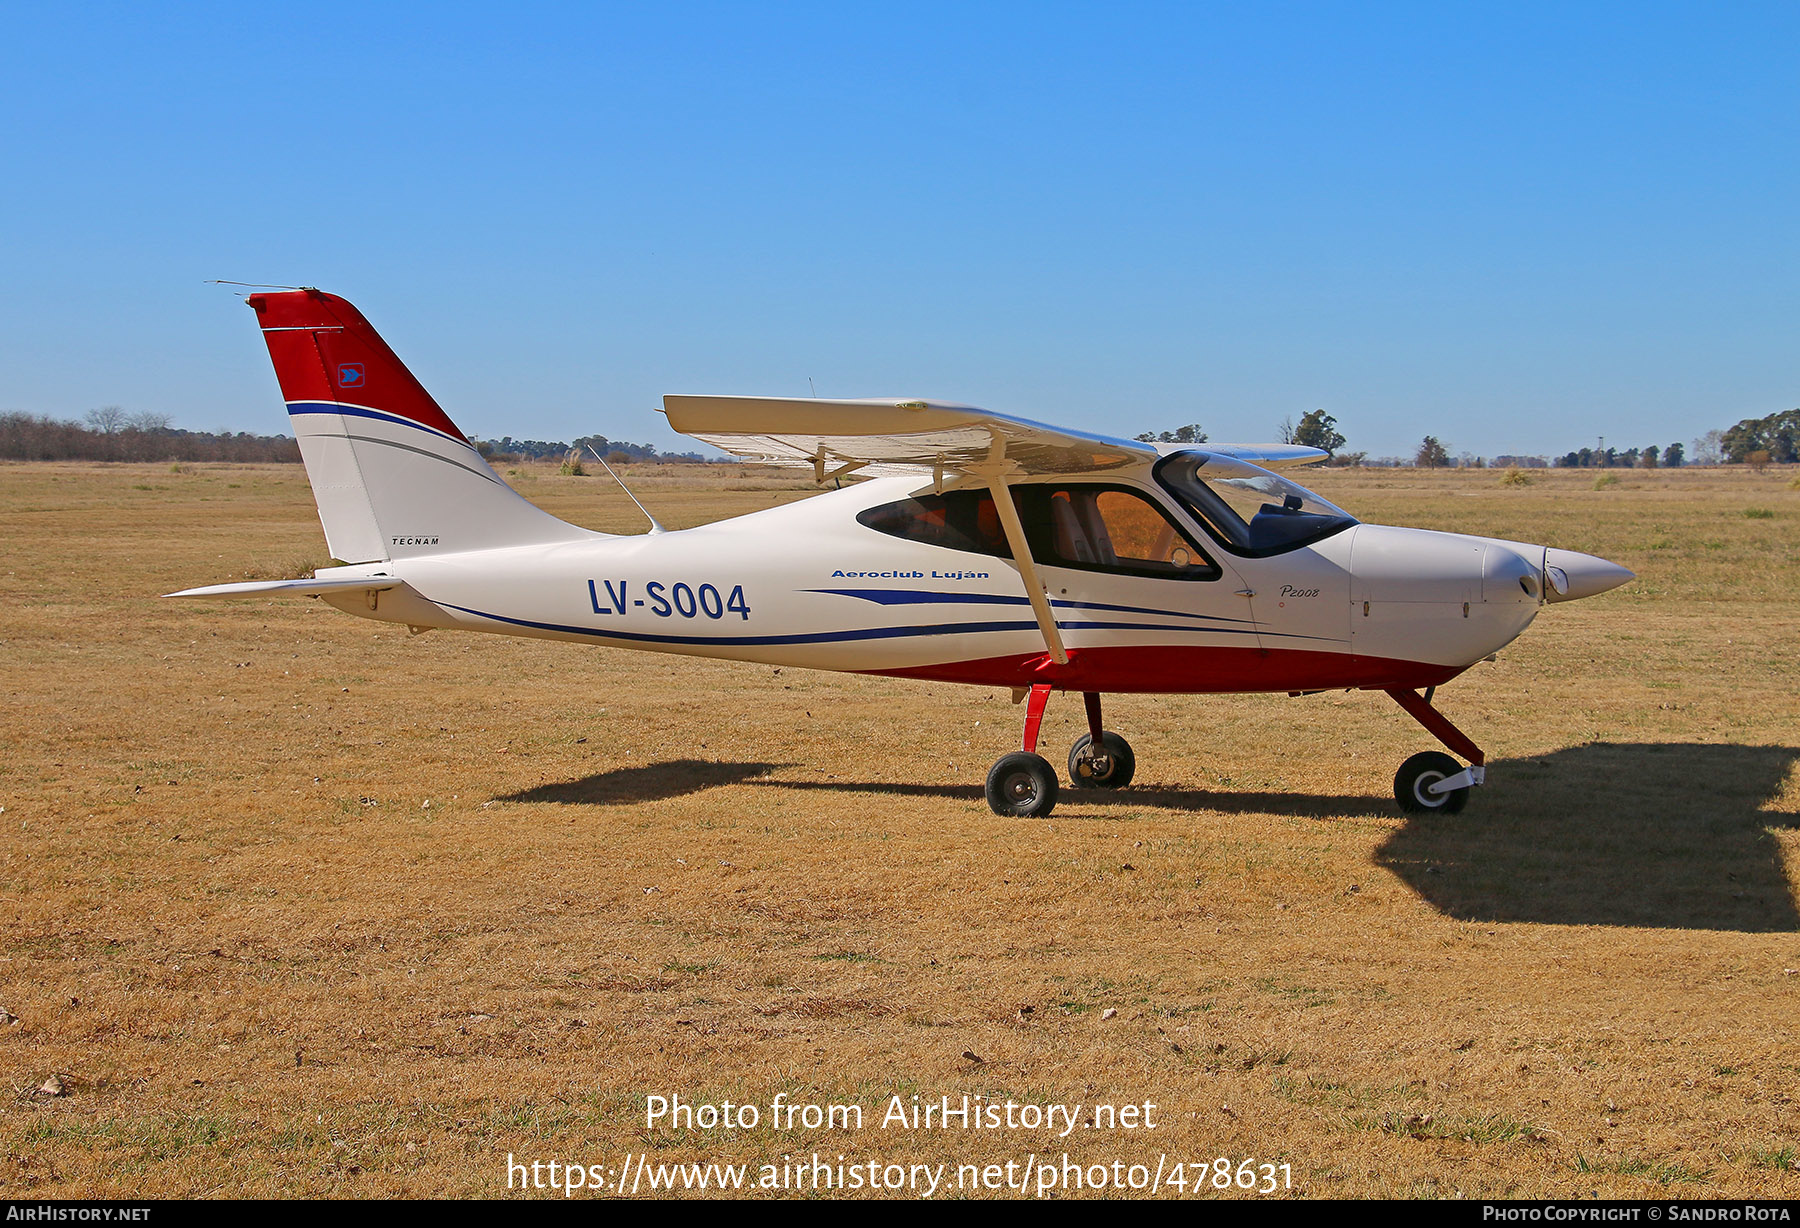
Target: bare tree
point(107, 419)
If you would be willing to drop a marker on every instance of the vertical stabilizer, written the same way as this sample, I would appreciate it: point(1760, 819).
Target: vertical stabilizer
point(392, 475)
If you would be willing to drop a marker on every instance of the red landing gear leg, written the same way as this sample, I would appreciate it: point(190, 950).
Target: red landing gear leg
point(1035, 703)
point(1022, 784)
point(1100, 759)
point(1432, 782)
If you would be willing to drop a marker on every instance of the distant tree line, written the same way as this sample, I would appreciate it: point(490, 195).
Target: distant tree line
point(1181, 434)
point(616, 451)
point(1672, 457)
point(1754, 441)
point(110, 434)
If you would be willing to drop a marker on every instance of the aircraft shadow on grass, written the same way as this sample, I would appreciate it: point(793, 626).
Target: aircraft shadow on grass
point(653, 782)
point(1672, 835)
point(1098, 805)
point(650, 782)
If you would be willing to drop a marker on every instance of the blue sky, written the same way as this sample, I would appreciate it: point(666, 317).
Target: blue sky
point(1513, 226)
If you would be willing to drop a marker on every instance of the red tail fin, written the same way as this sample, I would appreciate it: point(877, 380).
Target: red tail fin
point(392, 475)
point(324, 351)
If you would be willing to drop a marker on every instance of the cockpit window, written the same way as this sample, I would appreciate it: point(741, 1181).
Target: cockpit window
point(963, 520)
point(1105, 528)
point(1086, 527)
point(1248, 509)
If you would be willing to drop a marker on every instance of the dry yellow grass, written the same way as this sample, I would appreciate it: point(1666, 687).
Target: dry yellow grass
point(297, 905)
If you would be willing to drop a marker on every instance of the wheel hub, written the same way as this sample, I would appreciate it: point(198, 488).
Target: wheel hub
point(1422, 790)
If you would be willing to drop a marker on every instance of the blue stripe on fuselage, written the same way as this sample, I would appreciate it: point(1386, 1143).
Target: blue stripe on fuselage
point(833, 637)
point(907, 596)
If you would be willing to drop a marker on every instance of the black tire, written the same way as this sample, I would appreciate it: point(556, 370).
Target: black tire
point(1021, 786)
point(1120, 763)
point(1424, 769)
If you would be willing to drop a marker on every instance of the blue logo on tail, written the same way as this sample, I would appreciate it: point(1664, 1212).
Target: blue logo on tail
point(350, 375)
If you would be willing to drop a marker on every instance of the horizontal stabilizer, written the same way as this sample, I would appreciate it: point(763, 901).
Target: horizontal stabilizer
point(316, 587)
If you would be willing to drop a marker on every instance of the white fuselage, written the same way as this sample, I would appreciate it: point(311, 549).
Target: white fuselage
point(807, 585)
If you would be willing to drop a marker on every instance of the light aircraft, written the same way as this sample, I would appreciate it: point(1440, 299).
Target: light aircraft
point(987, 549)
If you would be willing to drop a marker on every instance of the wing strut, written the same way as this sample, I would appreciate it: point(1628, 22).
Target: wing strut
point(996, 471)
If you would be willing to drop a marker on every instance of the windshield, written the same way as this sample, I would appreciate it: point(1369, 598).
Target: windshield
point(1247, 508)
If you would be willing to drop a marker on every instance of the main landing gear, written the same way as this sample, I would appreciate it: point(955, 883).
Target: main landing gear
point(1100, 758)
point(1024, 785)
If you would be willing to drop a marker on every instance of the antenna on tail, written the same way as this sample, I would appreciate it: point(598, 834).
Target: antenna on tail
point(655, 527)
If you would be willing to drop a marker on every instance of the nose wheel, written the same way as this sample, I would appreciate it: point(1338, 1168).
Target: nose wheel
point(1431, 782)
point(1425, 784)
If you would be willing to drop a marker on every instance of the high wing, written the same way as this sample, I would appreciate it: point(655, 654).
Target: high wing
point(890, 438)
point(903, 438)
point(897, 438)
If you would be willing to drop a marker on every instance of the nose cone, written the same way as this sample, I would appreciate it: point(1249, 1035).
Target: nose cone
point(1569, 575)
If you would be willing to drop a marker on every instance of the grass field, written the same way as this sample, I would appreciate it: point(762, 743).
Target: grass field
point(295, 904)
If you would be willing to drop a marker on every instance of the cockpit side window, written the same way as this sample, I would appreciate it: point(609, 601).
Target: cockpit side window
point(1086, 527)
point(1249, 511)
point(963, 520)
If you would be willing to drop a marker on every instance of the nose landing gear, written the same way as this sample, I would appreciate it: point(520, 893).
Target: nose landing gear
point(1420, 788)
point(1431, 782)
